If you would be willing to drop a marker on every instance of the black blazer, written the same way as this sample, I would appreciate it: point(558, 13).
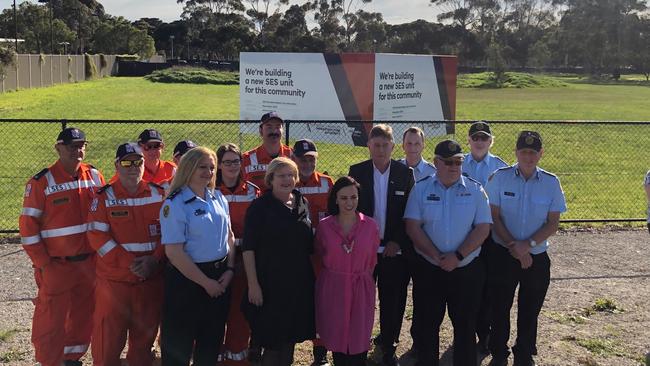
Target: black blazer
point(400, 182)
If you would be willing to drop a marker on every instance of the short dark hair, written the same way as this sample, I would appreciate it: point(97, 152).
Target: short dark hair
point(413, 129)
point(332, 207)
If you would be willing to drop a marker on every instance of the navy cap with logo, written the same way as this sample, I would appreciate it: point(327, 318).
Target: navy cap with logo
point(269, 116)
point(304, 147)
point(70, 135)
point(529, 140)
point(149, 135)
point(183, 146)
point(126, 149)
point(479, 127)
point(448, 149)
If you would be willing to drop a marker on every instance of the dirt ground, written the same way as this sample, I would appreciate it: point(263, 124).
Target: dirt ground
point(597, 310)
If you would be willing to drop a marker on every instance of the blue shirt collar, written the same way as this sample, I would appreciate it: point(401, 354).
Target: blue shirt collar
point(461, 181)
point(469, 157)
point(518, 173)
point(187, 194)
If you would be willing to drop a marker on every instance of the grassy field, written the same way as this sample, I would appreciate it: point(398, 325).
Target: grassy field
point(600, 166)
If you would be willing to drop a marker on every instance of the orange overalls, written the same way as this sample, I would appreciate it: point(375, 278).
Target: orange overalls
point(316, 190)
point(53, 233)
point(235, 350)
point(165, 172)
point(121, 228)
point(255, 162)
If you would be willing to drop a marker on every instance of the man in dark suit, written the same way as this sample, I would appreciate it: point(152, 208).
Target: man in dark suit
point(385, 187)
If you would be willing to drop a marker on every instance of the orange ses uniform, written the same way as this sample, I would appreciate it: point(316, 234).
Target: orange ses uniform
point(255, 162)
point(235, 350)
point(123, 227)
point(53, 233)
point(316, 190)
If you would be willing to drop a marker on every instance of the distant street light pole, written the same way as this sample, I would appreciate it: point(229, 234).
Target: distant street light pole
point(51, 28)
point(172, 39)
point(15, 26)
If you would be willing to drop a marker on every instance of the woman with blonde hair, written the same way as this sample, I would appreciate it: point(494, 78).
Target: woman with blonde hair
point(199, 244)
point(277, 246)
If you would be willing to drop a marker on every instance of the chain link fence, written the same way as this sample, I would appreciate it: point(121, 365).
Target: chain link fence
point(601, 165)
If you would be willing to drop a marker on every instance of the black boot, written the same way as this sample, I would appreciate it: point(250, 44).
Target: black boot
point(320, 356)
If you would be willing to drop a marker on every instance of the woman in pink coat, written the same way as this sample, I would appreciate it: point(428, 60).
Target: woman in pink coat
point(347, 243)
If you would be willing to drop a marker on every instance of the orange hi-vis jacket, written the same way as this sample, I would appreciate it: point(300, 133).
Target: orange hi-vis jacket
point(122, 227)
point(238, 202)
point(53, 219)
point(165, 172)
point(316, 190)
point(256, 161)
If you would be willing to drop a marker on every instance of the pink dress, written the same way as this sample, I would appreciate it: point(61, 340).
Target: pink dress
point(345, 289)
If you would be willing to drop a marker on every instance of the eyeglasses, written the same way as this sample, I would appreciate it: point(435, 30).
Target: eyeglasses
point(234, 162)
point(480, 137)
point(154, 146)
point(452, 162)
point(130, 163)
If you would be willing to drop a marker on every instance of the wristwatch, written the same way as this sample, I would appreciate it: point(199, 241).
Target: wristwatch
point(532, 243)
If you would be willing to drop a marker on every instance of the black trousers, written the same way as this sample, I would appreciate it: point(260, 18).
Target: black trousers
point(192, 322)
point(483, 322)
point(281, 355)
point(393, 276)
point(459, 291)
point(505, 275)
point(344, 359)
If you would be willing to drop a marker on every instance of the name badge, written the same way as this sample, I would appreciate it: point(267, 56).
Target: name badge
point(509, 194)
point(399, 193)
point(199, 212)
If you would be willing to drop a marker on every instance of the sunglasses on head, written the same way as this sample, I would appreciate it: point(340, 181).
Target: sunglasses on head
point(451, 162)
point(480, 137)
point(234, 162)
point(130, 163)
point(153, 146)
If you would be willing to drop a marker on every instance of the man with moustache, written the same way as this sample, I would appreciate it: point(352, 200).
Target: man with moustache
point(256, 161)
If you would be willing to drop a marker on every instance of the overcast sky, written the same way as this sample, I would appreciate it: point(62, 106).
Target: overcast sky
point(394, 11)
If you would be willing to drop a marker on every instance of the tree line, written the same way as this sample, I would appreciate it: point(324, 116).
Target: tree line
point(601, 36)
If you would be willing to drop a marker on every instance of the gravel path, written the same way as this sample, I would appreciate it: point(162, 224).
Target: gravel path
point(610, 265)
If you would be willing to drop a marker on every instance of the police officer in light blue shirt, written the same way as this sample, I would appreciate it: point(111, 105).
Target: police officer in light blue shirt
point(413, 145)
point(199, 244)
point(447, 218)
point(479, 163)
point(526, 204)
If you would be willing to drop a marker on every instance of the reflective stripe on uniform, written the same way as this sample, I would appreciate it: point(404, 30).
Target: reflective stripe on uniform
point(68, 230)
point(50, 179)
point(80, 348)
point(253, 157)
point(324, 188)
point(139, 247)
point(107, 247)
point(239, 356)
point(67, 186)
point(95, 174)
point(30, 240)
point(99, 226)
point(112, 201)
point(30, 211)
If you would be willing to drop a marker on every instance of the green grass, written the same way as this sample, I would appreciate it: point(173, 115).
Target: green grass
point(193, 75)
point(511, 80)
point(6, 334)
point(601, 167)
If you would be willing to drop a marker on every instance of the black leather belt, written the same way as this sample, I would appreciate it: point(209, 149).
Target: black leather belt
point(74, 258)
point(219, 263)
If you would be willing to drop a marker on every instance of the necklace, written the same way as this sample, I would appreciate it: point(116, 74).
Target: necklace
point(348, 248)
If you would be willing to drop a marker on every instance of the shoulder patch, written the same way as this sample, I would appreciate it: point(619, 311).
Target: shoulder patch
point(173, 194)
point(101, 190)
point(40, 174)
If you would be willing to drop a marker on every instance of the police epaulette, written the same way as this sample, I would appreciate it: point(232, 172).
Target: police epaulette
point(423, 179)
point(101, 190)
point(190, 200)
point(548, 173)
point(473, 180)
point(40, 174)
point(252, 184)
point(173, 194)
point(501, 160)
point(505, 168)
